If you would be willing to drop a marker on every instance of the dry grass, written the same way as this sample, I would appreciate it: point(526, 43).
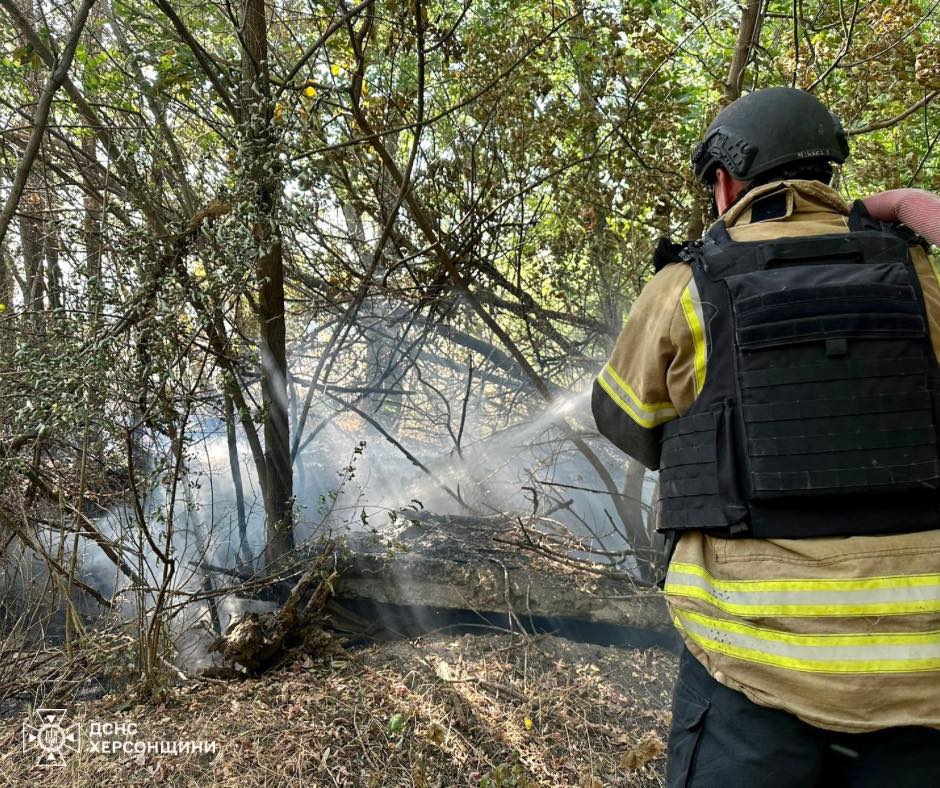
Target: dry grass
point(482, 710)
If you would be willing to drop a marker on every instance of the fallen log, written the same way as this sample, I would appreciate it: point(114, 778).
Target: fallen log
point(499, 564)
point(425, 572)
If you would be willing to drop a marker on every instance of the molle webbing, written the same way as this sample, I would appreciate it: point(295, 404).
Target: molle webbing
point(818, 414)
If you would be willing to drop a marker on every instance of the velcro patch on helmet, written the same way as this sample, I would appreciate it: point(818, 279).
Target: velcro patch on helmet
point(736, 155)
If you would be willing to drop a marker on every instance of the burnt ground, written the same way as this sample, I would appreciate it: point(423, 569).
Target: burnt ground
point(441, 710)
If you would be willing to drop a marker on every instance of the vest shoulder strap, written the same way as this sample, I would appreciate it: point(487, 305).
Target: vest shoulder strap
point(718, 233)
point(860, 219)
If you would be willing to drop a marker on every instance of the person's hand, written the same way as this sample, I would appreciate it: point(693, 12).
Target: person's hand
point(916, 208)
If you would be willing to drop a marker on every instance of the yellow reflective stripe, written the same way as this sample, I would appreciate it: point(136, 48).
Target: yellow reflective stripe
point(624, 406)
point(885, 595)
point(609, 369)
point(931, 638)
point(806, 610)
point(877, 581)
point(691, 307)
point(645, 414)
point(756, 651)
point(814, 666)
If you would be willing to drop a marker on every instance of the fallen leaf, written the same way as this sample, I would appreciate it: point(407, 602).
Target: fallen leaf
point(642, 754)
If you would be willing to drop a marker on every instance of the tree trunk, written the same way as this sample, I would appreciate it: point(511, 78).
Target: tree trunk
point(7, 334)
point(244, 551)
point(263, 188)
point(748, 36)
point(30, 210)
point(752, 19)
point(633, 491)
point(53, 270)
point(91, 223)
point(31, 249)
point(602, 249)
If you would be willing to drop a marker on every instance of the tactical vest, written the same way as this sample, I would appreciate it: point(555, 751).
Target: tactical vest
point(819, 412)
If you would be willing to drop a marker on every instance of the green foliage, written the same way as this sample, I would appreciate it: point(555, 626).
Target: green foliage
point(552, 150)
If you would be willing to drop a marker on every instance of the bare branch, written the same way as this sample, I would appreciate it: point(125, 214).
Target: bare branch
point(748, 36)
point(41, 116)
point(202, 57)
point(886, 124)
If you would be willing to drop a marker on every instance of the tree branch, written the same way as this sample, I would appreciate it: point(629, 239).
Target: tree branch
point(143, 202)
point(41, 116)
point(312, 49)
point(202, 57)
point(886, 124)
point(748, 35)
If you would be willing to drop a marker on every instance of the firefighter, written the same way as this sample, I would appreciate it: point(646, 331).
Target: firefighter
point(782, 374)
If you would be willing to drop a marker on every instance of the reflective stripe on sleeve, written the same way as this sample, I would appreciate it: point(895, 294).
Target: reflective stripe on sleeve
point(873, 596)
point(692, 309)
point(645, 414)
point(838, 653)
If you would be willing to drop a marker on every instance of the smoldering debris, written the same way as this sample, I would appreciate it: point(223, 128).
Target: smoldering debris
point(425, 572)
point(258, 641)
point(523, 566)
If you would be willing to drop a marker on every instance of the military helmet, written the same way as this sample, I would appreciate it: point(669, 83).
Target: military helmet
point(767, 129)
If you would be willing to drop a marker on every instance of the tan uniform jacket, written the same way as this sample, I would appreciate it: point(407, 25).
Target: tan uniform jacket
point(843, 632)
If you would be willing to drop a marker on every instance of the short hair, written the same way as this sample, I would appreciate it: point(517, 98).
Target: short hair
point(808, 170)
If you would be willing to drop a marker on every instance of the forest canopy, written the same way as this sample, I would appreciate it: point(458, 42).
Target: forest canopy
point(265, 264)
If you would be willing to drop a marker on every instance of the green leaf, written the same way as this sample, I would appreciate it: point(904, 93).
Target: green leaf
point(396, 723)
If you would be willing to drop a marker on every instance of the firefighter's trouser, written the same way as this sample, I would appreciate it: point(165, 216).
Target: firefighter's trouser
point(720, 739)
